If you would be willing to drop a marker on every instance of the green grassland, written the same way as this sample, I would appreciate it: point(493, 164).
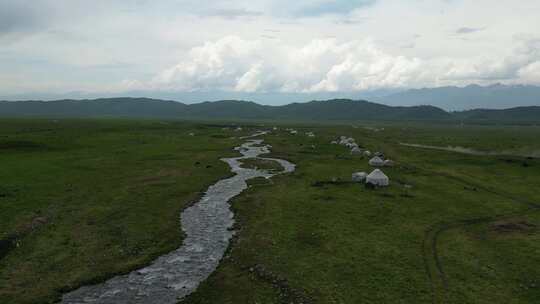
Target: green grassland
point(91, 198)
point(438, 241)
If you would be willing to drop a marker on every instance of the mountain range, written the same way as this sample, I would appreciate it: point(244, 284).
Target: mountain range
point(449, 98)
point(473, 96)
point(328, 110)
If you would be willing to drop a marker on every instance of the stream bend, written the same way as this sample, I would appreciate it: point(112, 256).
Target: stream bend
point(207, 225)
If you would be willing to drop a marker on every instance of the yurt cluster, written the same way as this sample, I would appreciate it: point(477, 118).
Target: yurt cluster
point(295, 132)
point(291, 131)
point(350, 143)
point(377, 176)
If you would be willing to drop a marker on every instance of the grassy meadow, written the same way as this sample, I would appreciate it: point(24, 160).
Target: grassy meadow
point(86, 199)
point(451, 228)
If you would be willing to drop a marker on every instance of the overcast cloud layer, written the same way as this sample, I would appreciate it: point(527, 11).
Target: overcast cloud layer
point(262, 46)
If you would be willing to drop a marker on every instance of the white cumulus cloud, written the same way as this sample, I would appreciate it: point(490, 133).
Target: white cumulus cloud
point(328, 65)
point(102, 46)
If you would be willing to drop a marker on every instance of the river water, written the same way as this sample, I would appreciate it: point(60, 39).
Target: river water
point(208, 228)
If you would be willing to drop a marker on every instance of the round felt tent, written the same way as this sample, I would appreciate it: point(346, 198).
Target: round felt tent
point(376, 162)
point(377, 178)
point(356, 151)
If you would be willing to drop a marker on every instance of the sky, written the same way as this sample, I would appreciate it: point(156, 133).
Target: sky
point(245, 48)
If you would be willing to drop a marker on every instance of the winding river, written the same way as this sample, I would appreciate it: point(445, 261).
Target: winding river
point(207, 225)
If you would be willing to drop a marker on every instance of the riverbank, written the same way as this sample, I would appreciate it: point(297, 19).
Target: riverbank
point(207, 225)
point(90, 199)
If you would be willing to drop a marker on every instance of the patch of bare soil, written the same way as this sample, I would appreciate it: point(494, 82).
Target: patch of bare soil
point(529, 154)
point(513, 226)
point(336, 182)
point(12, 240)
point(287, 294)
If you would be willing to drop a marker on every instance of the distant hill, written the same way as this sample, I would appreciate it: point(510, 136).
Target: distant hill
point(346, 109)
point(228, 109)
point(518, 114)
point(470, 97)
point(329, 110)
point(121, 107)
point(338, 109)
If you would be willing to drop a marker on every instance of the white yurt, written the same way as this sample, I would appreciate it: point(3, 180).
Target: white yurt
point(356, 151)
point(376, 162)
point(377, 178)
point(359, 177)
point(346, 141)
